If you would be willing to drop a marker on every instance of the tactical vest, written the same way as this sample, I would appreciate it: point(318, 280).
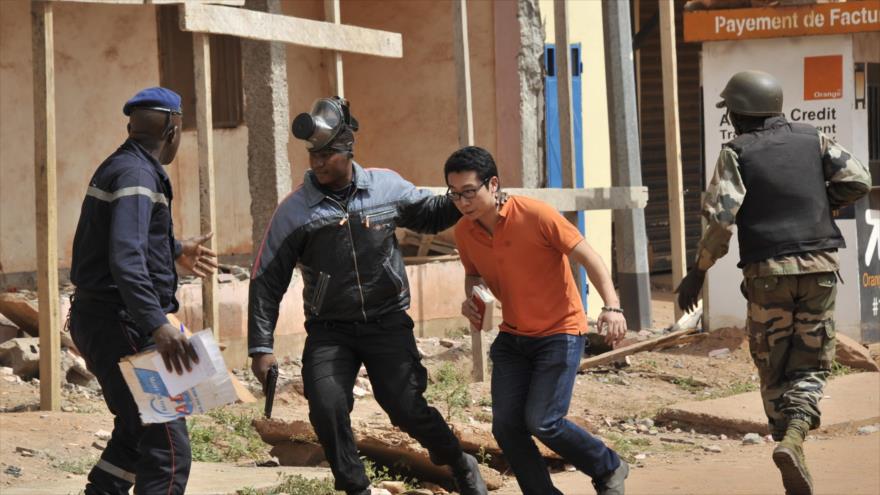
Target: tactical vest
point(786, 208)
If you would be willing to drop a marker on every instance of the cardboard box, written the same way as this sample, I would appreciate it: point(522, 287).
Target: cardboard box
point(156, 405)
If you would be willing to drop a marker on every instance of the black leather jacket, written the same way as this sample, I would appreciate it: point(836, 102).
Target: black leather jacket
point(350, 261)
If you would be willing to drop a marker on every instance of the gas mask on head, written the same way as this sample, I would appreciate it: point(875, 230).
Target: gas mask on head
point(327, 120)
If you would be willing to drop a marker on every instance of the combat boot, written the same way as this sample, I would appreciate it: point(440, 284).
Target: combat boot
point(613, 482)
point(468, 480)
point(789, 458)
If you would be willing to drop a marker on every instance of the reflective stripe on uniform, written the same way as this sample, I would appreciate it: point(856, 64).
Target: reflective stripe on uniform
point(102, 195)
point(120, 473)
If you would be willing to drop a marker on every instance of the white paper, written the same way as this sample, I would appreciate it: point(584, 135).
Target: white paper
point(208, 351)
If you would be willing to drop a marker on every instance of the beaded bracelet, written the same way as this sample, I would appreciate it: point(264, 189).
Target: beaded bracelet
point(611, 309)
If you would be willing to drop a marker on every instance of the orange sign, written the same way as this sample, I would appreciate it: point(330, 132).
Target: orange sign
point(778, 22)
point(823, 77)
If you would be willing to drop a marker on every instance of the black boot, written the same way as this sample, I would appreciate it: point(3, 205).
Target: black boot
point(468, 480)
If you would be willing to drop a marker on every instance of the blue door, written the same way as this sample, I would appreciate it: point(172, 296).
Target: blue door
point(554, 157)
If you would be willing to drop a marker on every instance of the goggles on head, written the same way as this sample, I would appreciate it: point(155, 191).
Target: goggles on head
point(318, 128)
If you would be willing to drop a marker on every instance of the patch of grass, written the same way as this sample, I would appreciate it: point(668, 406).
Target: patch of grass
point(80, 465)
point(838, 369)
point(296, 484)
point(378, 473)
point(688, 384)
point(224, 435)
point(627, 447)
point(485, 401)
point(734, 388)
point(449, 387)
point(484, 457)
point(483, 417)
point(457, 333)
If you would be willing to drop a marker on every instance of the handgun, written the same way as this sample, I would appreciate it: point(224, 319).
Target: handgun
point(269, 389)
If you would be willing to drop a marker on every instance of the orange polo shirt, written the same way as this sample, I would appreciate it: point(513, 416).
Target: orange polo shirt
point(525, 264)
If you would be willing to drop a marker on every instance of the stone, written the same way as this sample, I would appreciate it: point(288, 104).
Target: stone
point(646, 421)
point(365, 384)
point(380, 491)
point(718, 353)
point(448, 343)
point(642, 429)
point(8, 332)
point(712, 448)
point(26, 452)
point(850, 353)
point(99, 446)
point(394, 487)
point(640, 457)
point(722, 437)
point(569, 468)
point(359, 392)
point(103, 435)
point(75, 371)
point(752, 439)
point(13, 471)
point(22, 355)
point(867, 430)
point(6, 371)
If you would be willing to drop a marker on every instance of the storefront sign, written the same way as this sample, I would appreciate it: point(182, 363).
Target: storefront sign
point(777, 22)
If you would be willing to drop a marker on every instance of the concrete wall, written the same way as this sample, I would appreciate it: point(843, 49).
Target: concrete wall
point(406, 108)
point(96, 70)
point(104, 54)
point(585, 27)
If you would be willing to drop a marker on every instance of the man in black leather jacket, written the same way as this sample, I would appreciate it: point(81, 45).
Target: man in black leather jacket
point(338, 227)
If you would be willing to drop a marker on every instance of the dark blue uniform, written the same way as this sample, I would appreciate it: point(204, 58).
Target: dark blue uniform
point(123, 269)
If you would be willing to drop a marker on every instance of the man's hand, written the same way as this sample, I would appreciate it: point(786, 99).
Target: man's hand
point(613, 325)
point(260, 366)
point(196, 258)
point(689, 289)
point(470, 311)
point(175, 349)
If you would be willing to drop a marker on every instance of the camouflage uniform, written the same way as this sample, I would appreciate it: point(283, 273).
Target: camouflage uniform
point(791, 297)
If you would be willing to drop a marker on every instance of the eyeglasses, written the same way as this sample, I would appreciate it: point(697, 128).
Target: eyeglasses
point(467, 193)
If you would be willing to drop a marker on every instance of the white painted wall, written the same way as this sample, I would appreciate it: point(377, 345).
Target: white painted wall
point(784, 58)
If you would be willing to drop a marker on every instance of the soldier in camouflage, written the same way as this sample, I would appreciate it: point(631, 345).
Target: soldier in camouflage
point(779, 182)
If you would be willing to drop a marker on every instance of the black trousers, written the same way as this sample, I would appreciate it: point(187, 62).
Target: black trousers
point(155, 458)
point(332, 357)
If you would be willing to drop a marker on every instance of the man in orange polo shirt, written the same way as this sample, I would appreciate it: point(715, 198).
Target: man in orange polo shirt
point(520, 251)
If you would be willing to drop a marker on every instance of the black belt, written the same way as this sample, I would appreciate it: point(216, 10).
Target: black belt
point(110, 297)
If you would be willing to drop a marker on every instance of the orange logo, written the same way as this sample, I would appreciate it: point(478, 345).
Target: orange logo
point(823, 77)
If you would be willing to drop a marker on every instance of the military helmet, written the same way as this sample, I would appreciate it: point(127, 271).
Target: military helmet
point(752, 92)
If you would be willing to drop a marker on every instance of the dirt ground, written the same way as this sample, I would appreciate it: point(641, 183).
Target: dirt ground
point(616, 403)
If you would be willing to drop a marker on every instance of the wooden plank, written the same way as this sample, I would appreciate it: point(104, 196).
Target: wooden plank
point(333, 14)
point(594, 198)
point(45, 188)
point(685, 325)
point(461, 52)
point(293, 30)
point(673, 143)
point(567, 158)
point(207, 205)
point(563, 85)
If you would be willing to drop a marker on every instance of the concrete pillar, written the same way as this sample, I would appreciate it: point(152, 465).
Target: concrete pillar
point(267, 116)
point(631, 245)
point(531, 86)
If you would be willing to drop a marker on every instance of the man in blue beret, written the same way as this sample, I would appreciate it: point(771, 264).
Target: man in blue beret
point(124, 252)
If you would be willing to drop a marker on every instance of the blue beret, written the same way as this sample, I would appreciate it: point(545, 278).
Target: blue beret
point(156, 98)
